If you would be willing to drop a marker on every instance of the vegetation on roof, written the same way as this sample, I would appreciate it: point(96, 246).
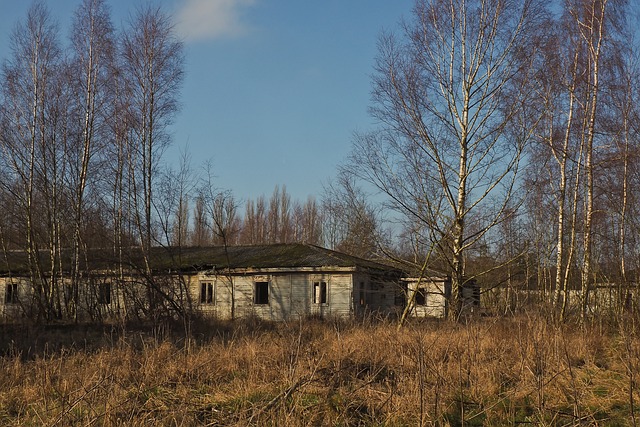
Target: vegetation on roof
point(162, 259)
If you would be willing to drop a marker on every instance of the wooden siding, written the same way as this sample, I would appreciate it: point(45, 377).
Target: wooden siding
point(301, 302)
point(98, 297)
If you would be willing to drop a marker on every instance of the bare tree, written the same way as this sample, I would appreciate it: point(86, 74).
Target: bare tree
point(576, 82)
point(274, 217)
point(286, 225)
point(615, 230)
point(279, 226)
point(153, 65)
point(219, 212)
point(595, 22)
point(70, 119)
point(556, 97)
point(448, 152)
point(222, 210)
point(628, 138)
point(307, 222)
point(280, 220)
point(201, 233)
point(92, 40)
point(175, 189)
point(350, 222)
point(255, 225)
point(31, 93)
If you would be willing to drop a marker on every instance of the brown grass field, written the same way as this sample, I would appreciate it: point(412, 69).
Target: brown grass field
point(493, 371)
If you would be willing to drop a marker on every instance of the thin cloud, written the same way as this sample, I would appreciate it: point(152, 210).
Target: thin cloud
point(199, 20)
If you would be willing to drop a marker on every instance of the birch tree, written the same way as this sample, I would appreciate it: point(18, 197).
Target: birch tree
point(31, 93)
point(578, 93)
point(447, 153)
point(627, 140)
point(153, 65)
point(92, 41)
point(599, 25)
point(556, 147)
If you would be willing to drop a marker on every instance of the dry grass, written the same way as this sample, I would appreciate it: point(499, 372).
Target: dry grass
point(489, 372)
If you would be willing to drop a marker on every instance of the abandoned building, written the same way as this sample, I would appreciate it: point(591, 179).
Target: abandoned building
point(270, 282)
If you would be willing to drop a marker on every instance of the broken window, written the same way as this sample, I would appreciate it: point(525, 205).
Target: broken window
point(420, 297)
point(11, 293)
point(206, 293)
point(319, 292)
point(261, 293)
point(104, 293)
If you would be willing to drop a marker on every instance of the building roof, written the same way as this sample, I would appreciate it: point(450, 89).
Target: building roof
point(276, 256)
point(218, 258)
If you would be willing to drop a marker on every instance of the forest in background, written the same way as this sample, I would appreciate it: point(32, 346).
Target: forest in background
point(506, 152)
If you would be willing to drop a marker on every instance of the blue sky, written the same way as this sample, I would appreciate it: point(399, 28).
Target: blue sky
point(274, 89)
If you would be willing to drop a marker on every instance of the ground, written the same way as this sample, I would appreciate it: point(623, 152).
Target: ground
point(490, 371)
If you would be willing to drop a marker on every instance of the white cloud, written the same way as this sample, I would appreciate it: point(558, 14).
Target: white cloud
point(212, 19)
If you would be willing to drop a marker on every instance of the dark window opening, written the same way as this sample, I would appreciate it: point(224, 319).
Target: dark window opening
point(261, 293)
point(104, 293)
point(319, 292)
point(206, 293)
point(420, 297)
point(362, 296)
point(11, 293)
point(476, 296)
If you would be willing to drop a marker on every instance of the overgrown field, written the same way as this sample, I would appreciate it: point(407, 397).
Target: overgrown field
point(505, 371)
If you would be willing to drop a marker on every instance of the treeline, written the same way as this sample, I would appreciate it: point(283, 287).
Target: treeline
point(339, 220)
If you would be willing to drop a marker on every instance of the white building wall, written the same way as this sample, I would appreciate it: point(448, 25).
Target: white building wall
point(434, 302)
point(290, 295)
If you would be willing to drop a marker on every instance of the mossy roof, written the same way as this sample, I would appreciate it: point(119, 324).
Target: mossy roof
point(277, 256)
point(189, 259)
